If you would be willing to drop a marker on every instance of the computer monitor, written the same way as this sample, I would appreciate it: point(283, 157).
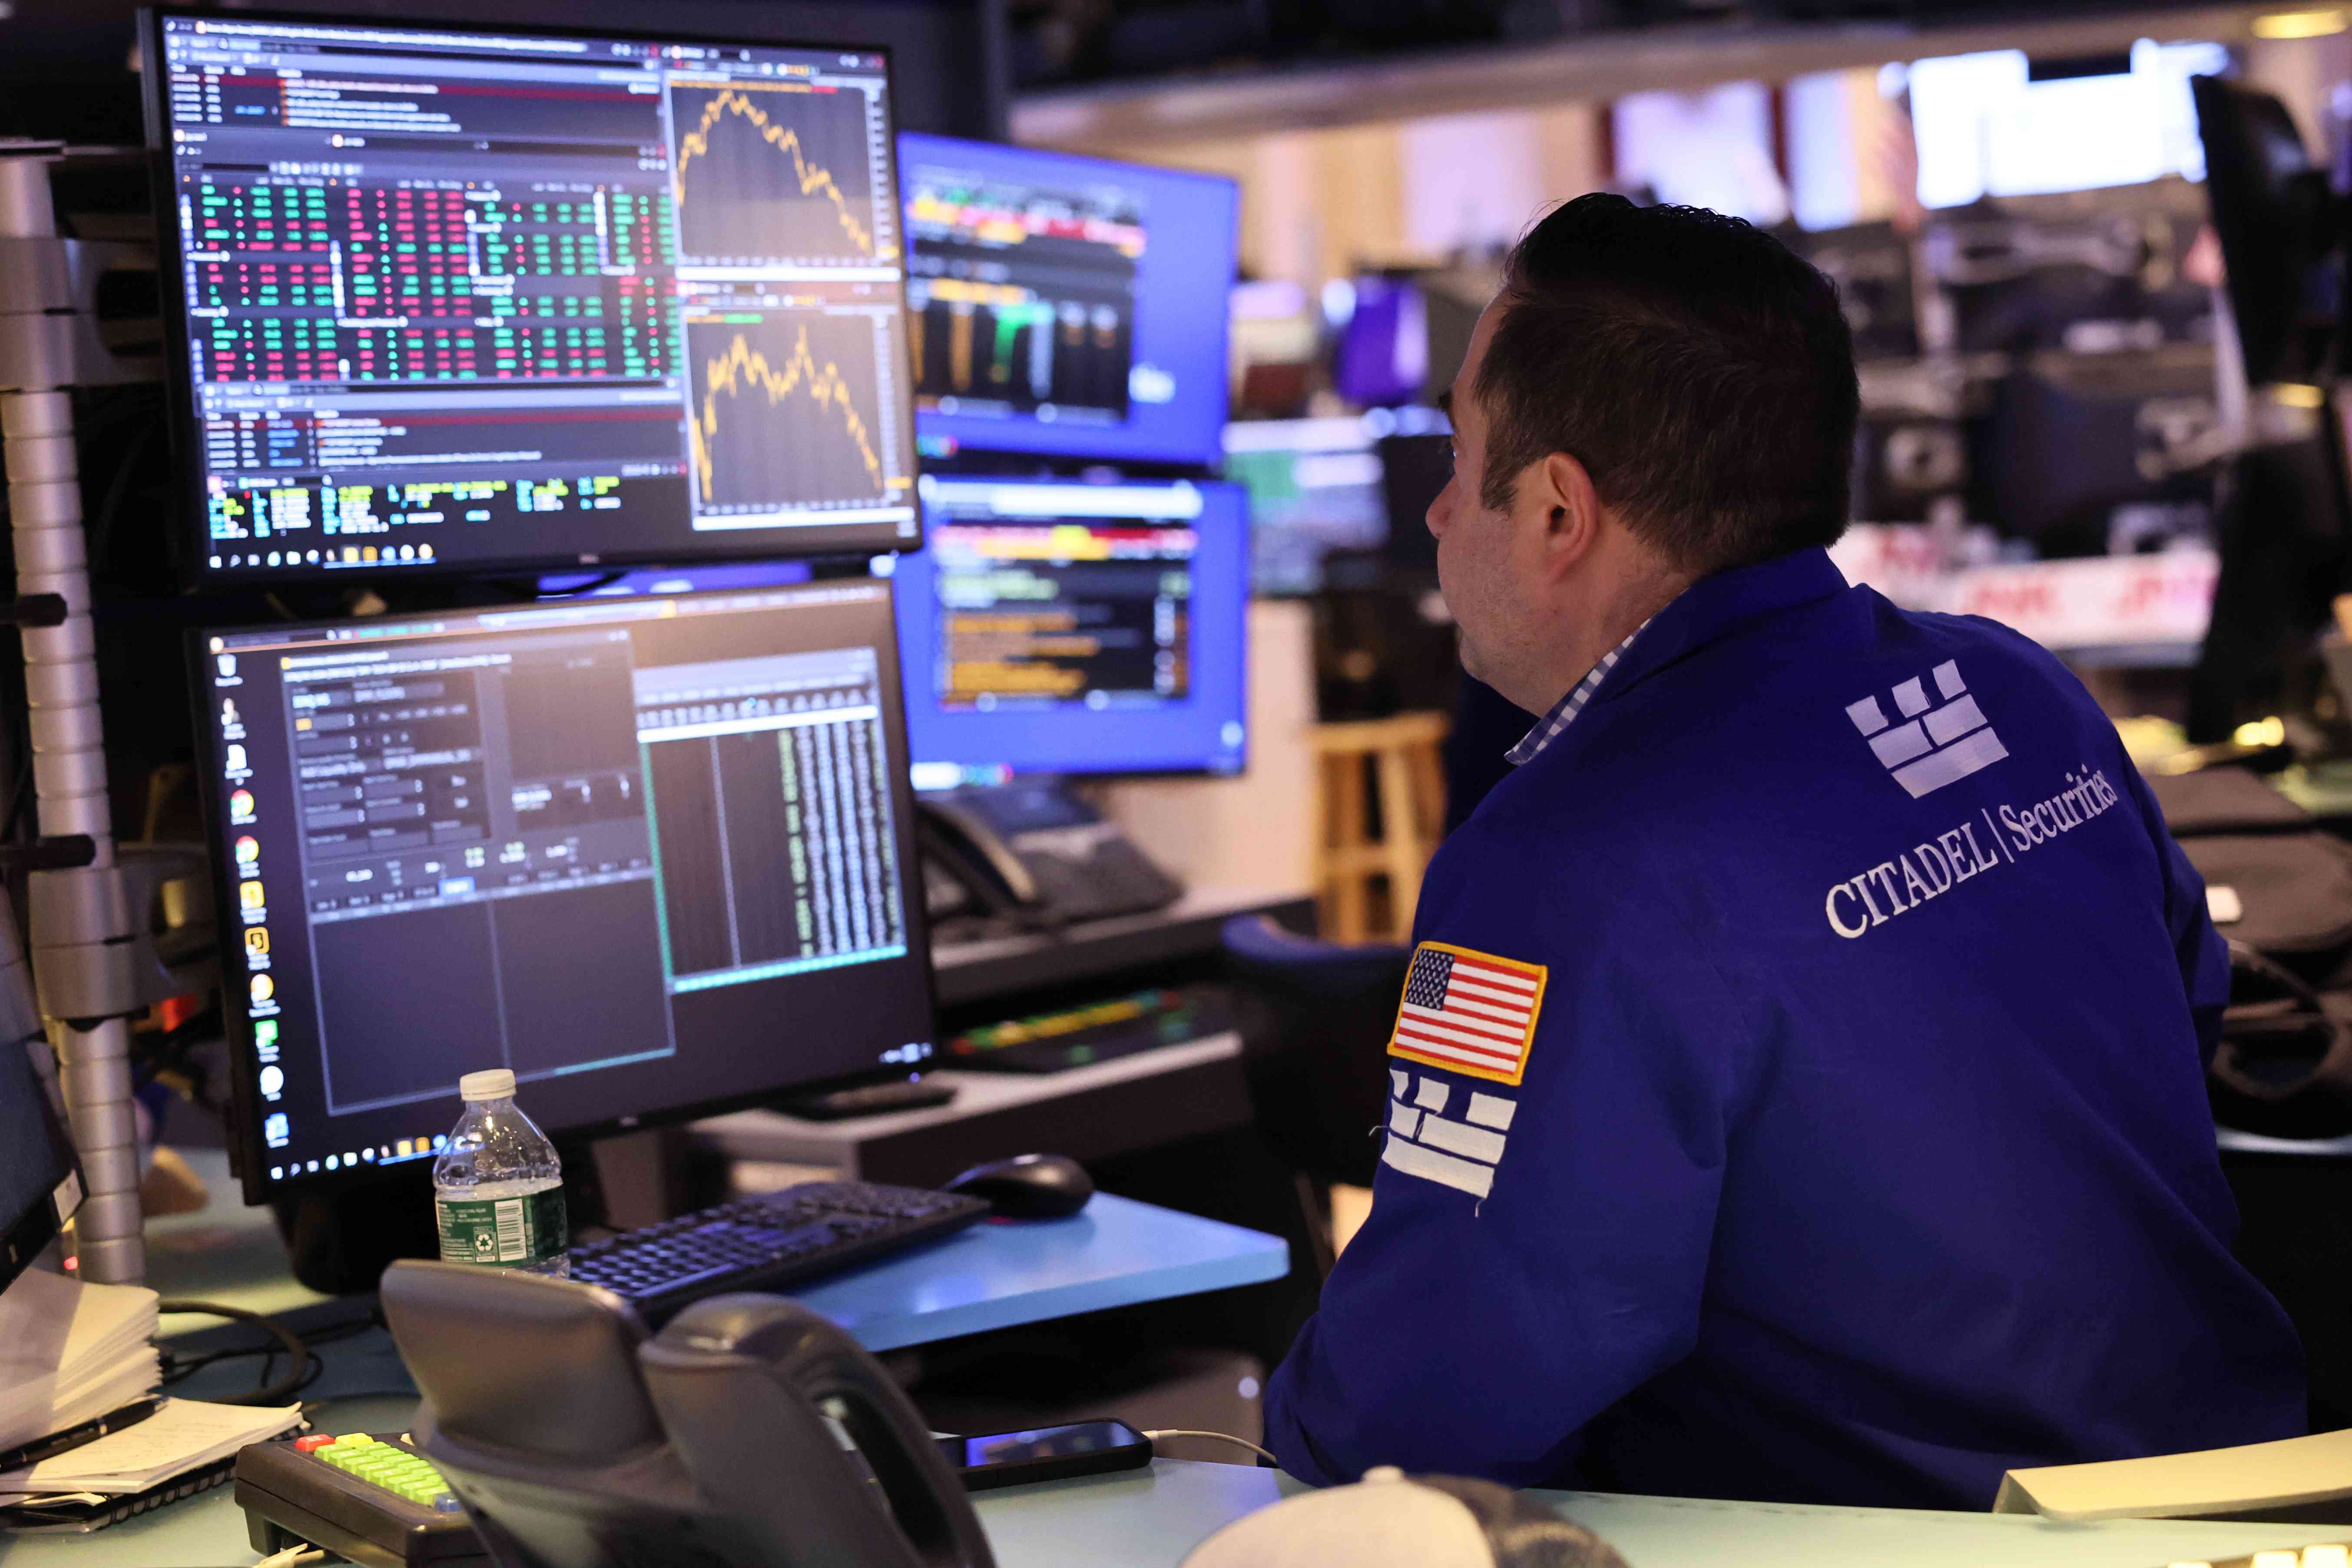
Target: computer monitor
point(1066, 306)
point(654, 854)
point(1056, 627)
point(2282, 233)
point(447, 299)
point(39, 1186)
point(1415, 467)
point(1317, 487)
point(1314, 487)
point(2000, 124)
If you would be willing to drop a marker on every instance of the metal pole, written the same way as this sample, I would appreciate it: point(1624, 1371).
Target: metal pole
point(37, 447)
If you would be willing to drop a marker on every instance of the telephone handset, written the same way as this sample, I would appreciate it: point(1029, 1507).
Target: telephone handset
point(1031, 851)
point(757, 1392)
point(576, 1443)
point(974, 856)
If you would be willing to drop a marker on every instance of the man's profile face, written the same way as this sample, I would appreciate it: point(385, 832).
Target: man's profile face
point(1486, 586)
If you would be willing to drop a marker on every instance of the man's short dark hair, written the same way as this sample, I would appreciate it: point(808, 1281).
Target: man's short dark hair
point(1702, 373)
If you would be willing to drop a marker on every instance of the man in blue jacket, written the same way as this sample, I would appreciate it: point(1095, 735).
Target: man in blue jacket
point(1797, 1089)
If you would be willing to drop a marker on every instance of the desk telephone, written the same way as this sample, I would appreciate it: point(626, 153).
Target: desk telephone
point(1032, 849)
point(752, 1433)
point(575, 1441)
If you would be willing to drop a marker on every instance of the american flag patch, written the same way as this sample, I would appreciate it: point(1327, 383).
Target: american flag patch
point(1469, 1012)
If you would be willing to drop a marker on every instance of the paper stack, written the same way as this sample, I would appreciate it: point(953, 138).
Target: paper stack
point(185, 1435)
point(70, 1352)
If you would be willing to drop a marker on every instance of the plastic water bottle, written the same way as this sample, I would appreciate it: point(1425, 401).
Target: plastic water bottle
point(498, 1187)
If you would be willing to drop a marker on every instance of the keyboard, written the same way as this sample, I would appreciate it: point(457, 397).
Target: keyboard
point(1097, 1031)
point(766, 1242)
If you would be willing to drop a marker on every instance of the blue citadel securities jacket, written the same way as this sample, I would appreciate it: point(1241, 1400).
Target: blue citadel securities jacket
point(1798, 1093)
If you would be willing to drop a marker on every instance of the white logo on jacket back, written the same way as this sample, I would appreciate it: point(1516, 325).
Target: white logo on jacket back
point(1936, 745)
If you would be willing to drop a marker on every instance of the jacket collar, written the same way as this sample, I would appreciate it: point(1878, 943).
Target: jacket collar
point(1715, 607)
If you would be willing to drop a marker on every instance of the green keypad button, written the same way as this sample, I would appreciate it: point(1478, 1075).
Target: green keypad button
point(395, 1469)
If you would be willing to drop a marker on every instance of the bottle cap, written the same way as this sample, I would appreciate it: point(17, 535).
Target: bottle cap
point(492, 1083)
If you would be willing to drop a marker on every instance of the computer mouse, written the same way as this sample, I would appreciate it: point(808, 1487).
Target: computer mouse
point(1390, 1520)
point(1029, 1186)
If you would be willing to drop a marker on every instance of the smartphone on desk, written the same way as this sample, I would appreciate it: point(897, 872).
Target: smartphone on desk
point(1045, 1454)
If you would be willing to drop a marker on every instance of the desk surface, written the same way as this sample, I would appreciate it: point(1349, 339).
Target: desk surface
point(774, 1135)
point(1082, 1100)
point(1150, 1519)
point(998, 1274)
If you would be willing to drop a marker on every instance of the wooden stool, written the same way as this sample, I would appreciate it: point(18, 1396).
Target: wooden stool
point(1402, 752)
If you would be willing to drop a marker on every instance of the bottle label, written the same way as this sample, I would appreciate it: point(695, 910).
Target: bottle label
point(504, 1232)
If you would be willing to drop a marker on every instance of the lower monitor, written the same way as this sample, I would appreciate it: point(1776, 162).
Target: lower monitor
point(1060, 626)
point(652, 853)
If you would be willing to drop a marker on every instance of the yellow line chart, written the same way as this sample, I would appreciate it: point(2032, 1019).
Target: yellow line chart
point(743, 368)
point(695, 143)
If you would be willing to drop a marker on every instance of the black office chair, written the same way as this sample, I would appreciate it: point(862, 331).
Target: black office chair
point(574, 1443)
point(1315, 1018)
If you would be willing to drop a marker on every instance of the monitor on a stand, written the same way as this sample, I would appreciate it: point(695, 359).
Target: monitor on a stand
point(445, 298)
point(652, 854)
point(1067, 306)
point(1058, 630)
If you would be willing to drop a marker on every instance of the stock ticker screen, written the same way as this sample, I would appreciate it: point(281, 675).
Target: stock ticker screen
point(626, 848)
point(455, 298)
point(1061, 626)
point(1067, 306)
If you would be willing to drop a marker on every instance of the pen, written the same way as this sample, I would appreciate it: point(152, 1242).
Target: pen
point(73, 1438)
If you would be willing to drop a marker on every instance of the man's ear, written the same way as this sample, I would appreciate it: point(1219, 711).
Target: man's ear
point(1570, 505)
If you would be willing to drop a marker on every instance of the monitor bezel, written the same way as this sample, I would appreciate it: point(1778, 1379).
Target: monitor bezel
point(248, 1155)
point(1115, 775)
point(1078, 449)
point(179, 370)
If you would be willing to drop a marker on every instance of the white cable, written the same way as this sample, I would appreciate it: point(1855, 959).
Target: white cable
point(294, 1557)
point(1213, 1437)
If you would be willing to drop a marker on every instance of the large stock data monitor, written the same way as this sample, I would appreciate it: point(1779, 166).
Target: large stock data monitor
point(442, 298)
point(652, 853)
point(1052, 627)
point(1065, 306)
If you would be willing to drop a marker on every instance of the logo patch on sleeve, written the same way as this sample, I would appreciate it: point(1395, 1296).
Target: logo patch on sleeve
point(1468, 1012)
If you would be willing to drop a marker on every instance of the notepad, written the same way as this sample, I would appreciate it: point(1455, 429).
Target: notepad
point(185, 1435)
point(2299, 1473)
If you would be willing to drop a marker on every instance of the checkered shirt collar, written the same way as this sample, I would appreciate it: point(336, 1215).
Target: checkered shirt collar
point(1563, 712)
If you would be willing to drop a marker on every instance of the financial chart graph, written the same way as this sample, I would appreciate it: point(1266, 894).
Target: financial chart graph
point(1004, 342)
point(776, 172)
point(785, 412)
point(1020, 297)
